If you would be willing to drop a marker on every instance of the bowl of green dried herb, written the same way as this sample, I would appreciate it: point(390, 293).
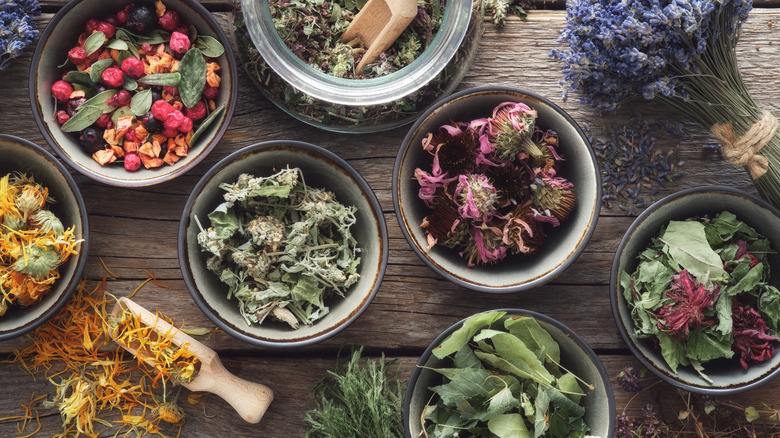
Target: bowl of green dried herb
point(131, 93)
point(509, 370)
point(693, 291)
point(293, 53)
point(283, 244)
point(45, 242)
point(496, 189)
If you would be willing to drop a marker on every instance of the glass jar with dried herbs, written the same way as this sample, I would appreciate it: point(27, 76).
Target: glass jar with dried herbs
point(292, 51)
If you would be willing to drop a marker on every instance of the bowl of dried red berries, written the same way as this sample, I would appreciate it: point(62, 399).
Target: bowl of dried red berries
point(694, 293)
point(133, 93)
point(496, 189)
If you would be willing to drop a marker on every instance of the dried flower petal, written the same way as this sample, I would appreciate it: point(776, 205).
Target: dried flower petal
point(690, 302)
point(752, 339)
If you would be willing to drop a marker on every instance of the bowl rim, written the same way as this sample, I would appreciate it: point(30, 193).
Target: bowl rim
point(365, 189)
point(220, 132)
point(614, 294)
point(82, 263)
point(516, 287)
point(511, 311)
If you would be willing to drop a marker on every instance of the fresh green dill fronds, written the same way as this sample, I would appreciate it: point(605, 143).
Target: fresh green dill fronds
point(363, 400)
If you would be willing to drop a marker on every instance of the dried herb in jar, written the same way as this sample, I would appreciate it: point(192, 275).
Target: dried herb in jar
point(282, 247)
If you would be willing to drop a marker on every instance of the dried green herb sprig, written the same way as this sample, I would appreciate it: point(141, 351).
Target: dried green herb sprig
point(362, 400)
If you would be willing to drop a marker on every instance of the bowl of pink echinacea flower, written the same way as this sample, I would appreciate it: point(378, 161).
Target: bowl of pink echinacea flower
point(694, 293)
point(496, 189)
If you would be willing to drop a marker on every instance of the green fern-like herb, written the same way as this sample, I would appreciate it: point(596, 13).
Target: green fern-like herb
point(363, 400)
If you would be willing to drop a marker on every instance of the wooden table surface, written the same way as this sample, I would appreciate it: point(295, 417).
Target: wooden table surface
point(136, 229)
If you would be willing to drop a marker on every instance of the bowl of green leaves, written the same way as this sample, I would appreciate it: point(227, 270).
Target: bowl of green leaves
point(693, 291)
point(283, 244)
point(509, 372)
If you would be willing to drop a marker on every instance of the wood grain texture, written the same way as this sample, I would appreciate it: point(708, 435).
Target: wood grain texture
point(136, 230)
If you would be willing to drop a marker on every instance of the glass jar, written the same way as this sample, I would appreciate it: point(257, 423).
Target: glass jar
point(356, 105)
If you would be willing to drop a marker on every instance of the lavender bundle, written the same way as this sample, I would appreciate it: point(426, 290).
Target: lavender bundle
point(17, 28)
point(681, 53)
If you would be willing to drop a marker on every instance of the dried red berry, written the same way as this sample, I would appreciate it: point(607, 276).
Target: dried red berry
point(174, 119)
point(94, 56)
point(133, 67)
point(179, 43)
point(121, 98)
point(146, 48)
point(73, 105)
point(130, 135)
point(132, 162)
point(61, 91)
point(77, 55)
point(107, 28)
point(161, 109)
point(62, 116)
point(170, 89)
point(210, 92)
point(91, 25)
point(197, 112)
point(169, 20)
point(186, 125)
point(170, 132)
point(113, 77)
point(122, 16)
point(112, 20)
point(103, 121)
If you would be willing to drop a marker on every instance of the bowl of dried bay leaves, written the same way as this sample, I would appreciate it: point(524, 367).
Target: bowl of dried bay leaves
point(283, 244)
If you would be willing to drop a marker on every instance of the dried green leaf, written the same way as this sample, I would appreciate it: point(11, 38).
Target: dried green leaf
point(206, 123)
point(752, 414)
point(141, 103)
point(94, 42)
point(98, 67)
point(463, 335)
point(192, 68)
point(122, 55)
point(89, 112)
point(509, 426)
point(117, 44)
point(156, 36)
point(130, 84)
point(162, 79)
point(686, 243)
point(209, 46)
point(78, 77)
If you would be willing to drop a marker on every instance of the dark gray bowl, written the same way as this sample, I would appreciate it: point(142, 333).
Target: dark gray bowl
point(576, 356)
point(322, 169)
point(515, 273)
point(20, 155)
point(728, 375)
point(59, 37)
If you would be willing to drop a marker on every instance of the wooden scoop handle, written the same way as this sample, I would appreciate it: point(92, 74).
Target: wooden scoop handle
point(249, 399)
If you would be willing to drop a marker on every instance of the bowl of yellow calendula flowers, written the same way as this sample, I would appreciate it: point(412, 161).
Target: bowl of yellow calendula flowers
point(44, 243)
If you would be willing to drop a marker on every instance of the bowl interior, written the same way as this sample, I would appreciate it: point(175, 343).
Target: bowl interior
point(16, 156)
point(321, 171)
point(61, 35)
point(576, 356)
point(562, 244)
point(727, 375)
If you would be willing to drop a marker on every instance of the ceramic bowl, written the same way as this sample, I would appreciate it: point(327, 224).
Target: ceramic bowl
point(321, 169)
point(728, 376)
point(563, 244)
point(20, 155)
point(576, 356)
point(60, 35)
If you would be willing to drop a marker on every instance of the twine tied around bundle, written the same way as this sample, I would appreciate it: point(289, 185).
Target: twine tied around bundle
point(743, 151)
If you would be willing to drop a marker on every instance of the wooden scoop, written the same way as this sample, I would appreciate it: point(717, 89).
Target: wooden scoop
point(379, 24)
point(249, 399)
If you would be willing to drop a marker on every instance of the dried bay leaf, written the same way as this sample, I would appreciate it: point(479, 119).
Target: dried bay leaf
point(193, 69)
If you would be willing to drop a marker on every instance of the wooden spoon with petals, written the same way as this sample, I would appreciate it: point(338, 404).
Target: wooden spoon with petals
point(379, 23)
point(249, 399)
